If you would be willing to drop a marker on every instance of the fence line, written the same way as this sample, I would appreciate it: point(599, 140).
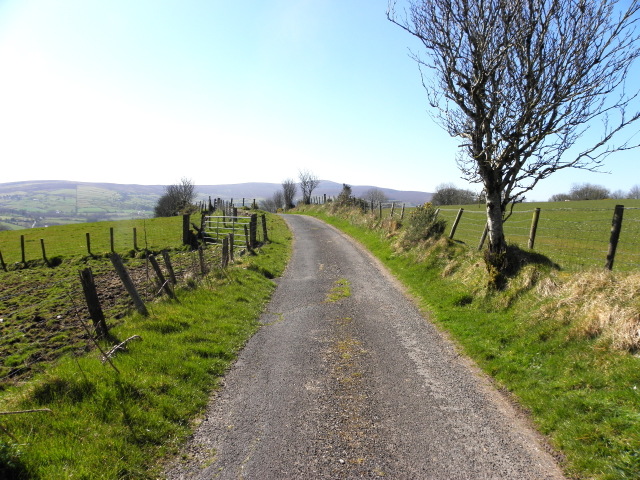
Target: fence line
point(573, 238)
point(43, 322)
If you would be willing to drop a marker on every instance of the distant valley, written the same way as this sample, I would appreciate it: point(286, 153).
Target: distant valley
point(57, 202)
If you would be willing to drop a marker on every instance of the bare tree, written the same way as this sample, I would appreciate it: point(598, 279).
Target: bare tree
point(178, 198)
point(588, 191)
point(449, 194)
point(618, 194)
point(289, 189)
point(375, 195)
point(308, 183)
point(634, 193)
point(520, 81)
point(273, 203)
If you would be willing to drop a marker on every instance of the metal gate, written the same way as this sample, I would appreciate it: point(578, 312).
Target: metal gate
point(216, 228)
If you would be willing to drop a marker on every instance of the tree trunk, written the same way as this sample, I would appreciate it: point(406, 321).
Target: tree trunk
point(496, 256)
point(497, 243)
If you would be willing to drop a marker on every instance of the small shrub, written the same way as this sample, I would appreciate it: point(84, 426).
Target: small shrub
point(423, 224)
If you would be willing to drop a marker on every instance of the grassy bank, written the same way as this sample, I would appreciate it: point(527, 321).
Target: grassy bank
point(100, 423)
point(548, 339)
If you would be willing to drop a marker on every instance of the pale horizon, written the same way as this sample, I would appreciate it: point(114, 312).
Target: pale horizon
point(150, 92)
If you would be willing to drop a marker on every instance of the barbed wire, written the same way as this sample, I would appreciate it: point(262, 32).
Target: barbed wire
point(56, 305)
point(573, 238)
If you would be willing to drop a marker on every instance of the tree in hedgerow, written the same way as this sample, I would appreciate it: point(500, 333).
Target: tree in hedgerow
point(308, 183)
point(289, 189)
point(449, 194)
point(519, 82)
point(634, 193)
point(584, 191)
point(344, 197)
point(273, 203)
point(375, 196)
point(177, 198)
point(587, 191)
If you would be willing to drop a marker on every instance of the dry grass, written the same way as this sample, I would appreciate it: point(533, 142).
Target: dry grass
point(599, 304)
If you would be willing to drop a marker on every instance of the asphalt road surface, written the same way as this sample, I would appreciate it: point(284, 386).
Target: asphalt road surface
point(346, 379)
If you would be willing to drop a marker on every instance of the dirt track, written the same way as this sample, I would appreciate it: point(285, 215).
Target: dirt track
point(354, 382)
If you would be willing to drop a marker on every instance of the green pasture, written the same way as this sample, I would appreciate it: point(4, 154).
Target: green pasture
point(60, 206)
point(103, 423)
point(71, 240)
point(575, 235)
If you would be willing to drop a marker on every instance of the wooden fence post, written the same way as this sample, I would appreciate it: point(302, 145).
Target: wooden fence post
point(253, 230)
point(455, 223)
point(264, 228)
point(111, 239)
point(24, 258)
point(185, 230)
point(128, 283)
point(380, 210)
point(88, 235)
point(135, 238)
point(203, 266)
point(169, 266)
point(4, 265)
point(534, 228)
point(93, 303)
point(44, 252)
point(225, 252)
point(247, 239)
point(484, 236)
point(393, 208)
point(616, 227)
point(402, 213)
point(231, 246)
point(164, 284)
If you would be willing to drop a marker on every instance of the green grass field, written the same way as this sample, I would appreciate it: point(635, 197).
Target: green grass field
point(575, 235)
point(70, 240)
point(104, 424)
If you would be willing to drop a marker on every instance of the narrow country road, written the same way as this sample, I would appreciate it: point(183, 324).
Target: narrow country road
point(347, 380)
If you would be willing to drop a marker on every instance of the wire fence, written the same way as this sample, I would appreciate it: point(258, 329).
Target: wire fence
point(43, 313)
point(573, 238)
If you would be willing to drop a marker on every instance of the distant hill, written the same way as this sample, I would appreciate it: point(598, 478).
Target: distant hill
point(54, 202)
point(262, 191)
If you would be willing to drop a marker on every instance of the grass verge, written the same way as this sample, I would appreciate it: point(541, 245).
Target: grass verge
point(107, 425)
point(582, 392)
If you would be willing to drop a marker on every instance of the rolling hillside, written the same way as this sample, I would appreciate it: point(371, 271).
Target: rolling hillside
point(58, 202)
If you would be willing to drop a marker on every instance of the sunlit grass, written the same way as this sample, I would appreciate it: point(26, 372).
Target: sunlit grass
point(581, 390)
point(108, 425)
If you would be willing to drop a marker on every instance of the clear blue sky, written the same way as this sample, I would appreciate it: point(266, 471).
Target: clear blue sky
point(150, 91)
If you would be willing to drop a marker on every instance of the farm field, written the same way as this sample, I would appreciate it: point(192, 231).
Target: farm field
point(30, 204)
point(40, 306)
point(71, 240)
point(125, 417)
point(575, 235)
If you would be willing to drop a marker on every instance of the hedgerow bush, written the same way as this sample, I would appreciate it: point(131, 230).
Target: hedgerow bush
point(423, 224)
